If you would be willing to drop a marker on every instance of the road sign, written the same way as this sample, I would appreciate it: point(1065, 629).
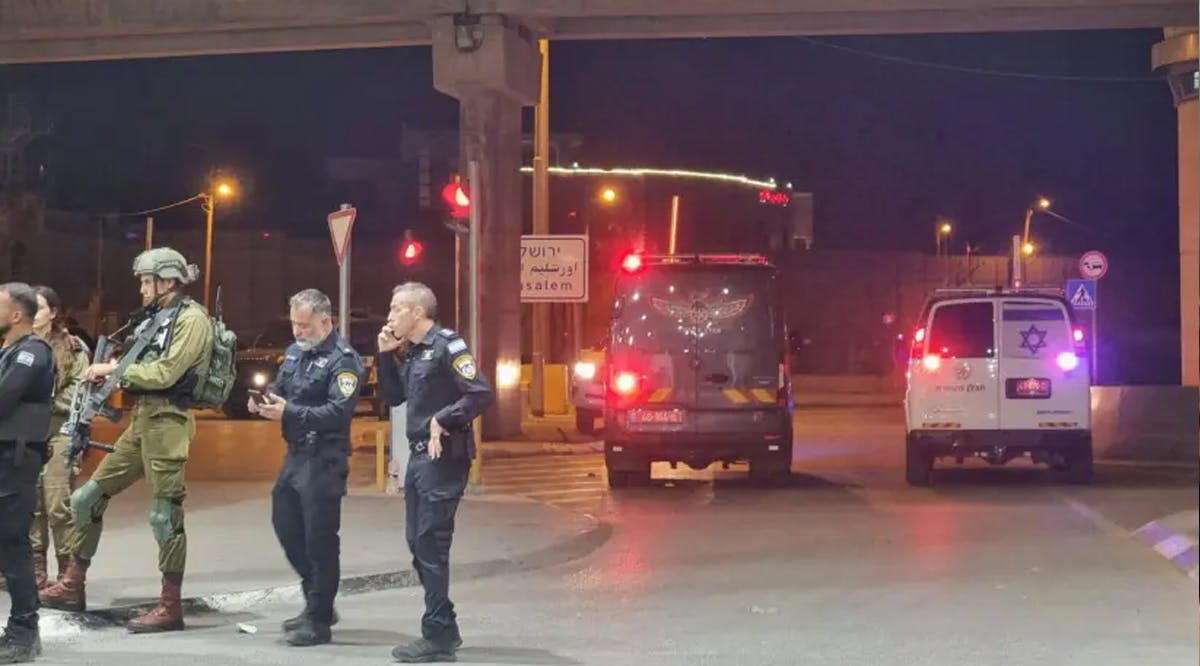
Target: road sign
point(340, 223)
point(554, 269)
point(1093, 265)
point(1082, 294)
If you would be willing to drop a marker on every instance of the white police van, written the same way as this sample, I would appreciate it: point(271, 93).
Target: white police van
point(998, 375)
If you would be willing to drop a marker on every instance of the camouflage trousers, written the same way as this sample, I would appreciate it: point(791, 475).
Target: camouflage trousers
point(155, 447)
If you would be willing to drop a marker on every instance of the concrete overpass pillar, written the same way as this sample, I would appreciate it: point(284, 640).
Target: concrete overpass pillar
point(1176, 56)
point(490, 63)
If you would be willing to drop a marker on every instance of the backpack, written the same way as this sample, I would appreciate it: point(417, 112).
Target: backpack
point(215, 382)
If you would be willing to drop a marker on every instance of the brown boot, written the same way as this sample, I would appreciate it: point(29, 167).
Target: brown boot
point(69, 593)
point(167, 615)
point(39, 571)
point(64, 561)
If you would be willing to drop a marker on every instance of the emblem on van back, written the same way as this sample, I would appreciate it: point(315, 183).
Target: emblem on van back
point(702, 308)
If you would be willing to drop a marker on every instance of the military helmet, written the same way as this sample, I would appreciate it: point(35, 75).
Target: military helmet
point(165, 263)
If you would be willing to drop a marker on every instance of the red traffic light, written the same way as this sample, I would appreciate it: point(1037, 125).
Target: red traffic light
point(457, 200)
point(410, 250)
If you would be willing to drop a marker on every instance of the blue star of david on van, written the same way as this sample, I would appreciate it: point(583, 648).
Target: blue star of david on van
point(1033, 339)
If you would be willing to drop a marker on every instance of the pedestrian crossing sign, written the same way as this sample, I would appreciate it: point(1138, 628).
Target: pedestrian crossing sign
point(1082, 294)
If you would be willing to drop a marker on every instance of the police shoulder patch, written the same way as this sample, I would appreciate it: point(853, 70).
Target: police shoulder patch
point(347, 383)
point(456, 345)
point(465, 366)
point(25, 358)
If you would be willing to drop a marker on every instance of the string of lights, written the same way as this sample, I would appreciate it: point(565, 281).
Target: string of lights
point(640, 172)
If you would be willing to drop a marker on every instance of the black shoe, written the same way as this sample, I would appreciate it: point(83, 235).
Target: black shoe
point(293, 623)
point(423, 651)
point(19, 644)
point(452, 637)
point(309, 633)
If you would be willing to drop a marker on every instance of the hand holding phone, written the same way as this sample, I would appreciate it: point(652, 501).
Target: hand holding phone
point(257, 396)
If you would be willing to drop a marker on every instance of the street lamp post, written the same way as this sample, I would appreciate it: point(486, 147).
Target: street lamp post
point(209, 203)
point(944, 229)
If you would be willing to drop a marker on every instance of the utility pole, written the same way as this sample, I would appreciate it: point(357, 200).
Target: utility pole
point(541, 227)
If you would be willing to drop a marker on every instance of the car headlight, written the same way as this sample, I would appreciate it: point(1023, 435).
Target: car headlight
point(585, 370)
point(259, 379)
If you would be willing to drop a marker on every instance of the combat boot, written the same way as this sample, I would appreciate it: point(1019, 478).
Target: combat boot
point(40, 578)
point(293, 623)
point(166, 616)
point(64, 561)
point(20, 643)
point(310, 632)
point(69, 593)
point(423, 651)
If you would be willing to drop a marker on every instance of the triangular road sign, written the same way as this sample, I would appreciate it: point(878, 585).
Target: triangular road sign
point(1083, 299)
point(340, 223)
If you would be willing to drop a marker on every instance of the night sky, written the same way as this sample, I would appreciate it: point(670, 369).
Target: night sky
point(884, 146)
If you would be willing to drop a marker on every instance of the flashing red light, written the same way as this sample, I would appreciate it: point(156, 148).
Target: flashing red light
point(774, 197)
point(632, 263)
point(410, 250)
point(457, 200)
point(625, 383)
point(919, 336)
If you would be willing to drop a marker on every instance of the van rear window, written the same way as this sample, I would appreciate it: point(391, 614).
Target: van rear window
point(666, 306)
point(963, 330)
point(1034, 330)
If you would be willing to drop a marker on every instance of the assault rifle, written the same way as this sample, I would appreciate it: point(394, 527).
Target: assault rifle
point(91, 399)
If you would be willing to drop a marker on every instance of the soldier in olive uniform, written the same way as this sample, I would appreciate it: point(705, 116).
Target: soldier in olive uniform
point(431, 369)
point(53, 516)
point(155, 445)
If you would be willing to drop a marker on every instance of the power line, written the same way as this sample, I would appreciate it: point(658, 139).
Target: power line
point(979, 70)
point(140, 213)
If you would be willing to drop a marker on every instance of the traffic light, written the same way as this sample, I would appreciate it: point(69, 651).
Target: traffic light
point(458, 202)
point(410, 249)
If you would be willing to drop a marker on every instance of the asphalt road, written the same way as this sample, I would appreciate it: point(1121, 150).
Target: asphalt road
point(849, 565)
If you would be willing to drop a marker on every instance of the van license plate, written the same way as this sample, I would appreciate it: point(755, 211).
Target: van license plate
point(1028, 388)
point(656, 416)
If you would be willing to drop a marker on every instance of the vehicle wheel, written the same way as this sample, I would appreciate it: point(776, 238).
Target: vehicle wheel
point(382, 409)
point(918, 464)
point(628, 478)
point(1080, 467)
point(585, 421)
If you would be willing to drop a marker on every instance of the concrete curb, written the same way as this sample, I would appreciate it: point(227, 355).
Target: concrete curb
point(1178, 547)
point(64, 625)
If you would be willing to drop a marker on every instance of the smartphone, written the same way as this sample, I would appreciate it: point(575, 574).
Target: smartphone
point(258, 396)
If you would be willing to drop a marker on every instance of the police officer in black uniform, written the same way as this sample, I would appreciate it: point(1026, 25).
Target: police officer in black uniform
point(26, 390)
point(432, 370)
point(314, 396)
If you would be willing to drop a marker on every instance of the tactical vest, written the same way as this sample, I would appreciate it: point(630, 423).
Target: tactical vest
point(30, 421)
point(179, 394)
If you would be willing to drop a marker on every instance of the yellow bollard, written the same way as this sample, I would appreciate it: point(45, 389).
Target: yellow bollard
point(381, 458)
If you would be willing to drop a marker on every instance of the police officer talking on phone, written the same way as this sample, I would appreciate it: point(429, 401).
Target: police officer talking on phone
point(431, 369)
point(313, 396)
point(26, 389)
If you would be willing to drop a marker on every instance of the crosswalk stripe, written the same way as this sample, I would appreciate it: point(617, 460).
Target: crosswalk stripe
point(561, 480)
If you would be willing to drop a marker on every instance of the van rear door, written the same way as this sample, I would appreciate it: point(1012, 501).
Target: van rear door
point(954, 382)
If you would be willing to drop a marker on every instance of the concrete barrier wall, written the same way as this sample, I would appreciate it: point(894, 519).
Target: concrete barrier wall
point(1146, 422)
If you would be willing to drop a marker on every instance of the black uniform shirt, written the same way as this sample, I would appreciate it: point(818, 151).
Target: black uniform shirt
point(26, 390)
point(438, 378)
point(321, 386)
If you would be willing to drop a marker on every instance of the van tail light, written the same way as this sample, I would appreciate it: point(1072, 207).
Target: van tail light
point(918, 342)
point(1077, 335)
point(632, 263)
point(932, 362)
point(626, 384)
point(1068, 361)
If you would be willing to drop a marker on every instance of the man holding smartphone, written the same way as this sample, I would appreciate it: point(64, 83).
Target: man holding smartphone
point(313, 396)
point(431, 369)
